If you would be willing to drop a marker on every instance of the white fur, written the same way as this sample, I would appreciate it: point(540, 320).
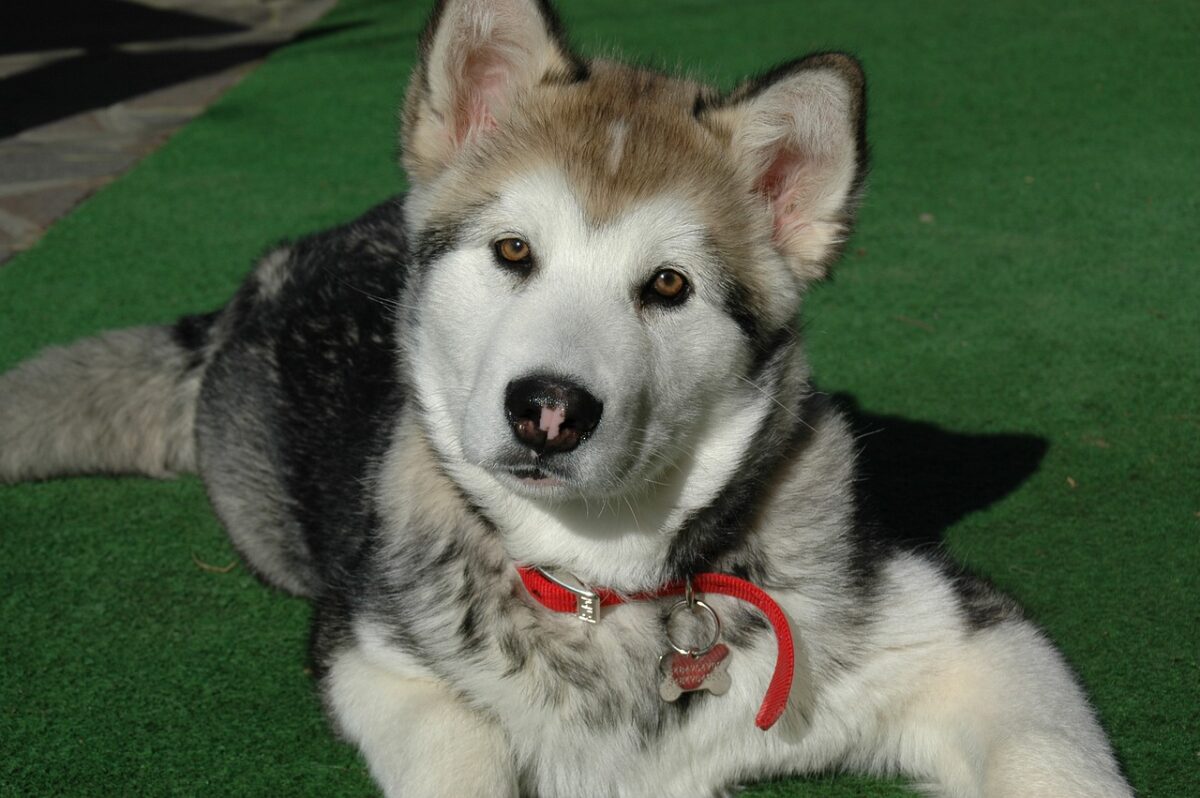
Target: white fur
point(451, 753)
point(272, 271)
point(618, 132)
point(988, 716)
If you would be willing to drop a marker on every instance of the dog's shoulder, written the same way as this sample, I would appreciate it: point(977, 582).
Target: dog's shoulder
point(304, 360)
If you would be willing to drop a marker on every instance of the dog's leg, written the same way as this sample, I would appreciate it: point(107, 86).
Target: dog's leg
point(1002, 717)
point(417, 738)
point(121, 402)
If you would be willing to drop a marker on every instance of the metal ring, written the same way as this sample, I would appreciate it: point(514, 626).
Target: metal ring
point(716, 633)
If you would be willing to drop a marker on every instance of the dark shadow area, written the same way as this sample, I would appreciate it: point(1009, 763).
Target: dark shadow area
point(96, 80)
point(920, 479)
point(33, 25)
point(103, 77)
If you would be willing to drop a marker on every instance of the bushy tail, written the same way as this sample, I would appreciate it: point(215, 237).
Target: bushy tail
point(123, 402)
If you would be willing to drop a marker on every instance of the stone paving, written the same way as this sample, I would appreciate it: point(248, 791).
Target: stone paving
point(48, 168)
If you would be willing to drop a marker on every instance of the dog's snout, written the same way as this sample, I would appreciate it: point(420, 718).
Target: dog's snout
point(549, 414)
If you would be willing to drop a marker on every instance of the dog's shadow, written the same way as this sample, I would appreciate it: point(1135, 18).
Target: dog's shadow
point(919, 479)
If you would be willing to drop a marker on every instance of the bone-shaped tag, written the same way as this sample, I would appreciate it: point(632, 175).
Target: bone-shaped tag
point(683, 673)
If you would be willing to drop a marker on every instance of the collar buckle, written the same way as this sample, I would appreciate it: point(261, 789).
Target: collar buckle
point(587, 601)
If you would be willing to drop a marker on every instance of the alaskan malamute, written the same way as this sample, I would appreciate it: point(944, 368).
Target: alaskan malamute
point(539, 441)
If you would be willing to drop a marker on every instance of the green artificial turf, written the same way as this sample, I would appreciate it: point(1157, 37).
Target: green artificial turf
point(1026, 265)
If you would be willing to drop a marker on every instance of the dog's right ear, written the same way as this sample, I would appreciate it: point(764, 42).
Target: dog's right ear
point(477, 57)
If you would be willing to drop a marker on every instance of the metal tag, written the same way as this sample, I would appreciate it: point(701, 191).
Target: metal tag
point(587, 602)
point(587, 607)
point(689, 673)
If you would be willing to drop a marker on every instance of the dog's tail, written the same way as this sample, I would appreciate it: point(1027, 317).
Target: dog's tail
point(123, 402)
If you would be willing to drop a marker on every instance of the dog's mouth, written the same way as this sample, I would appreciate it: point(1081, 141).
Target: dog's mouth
point(535, 476)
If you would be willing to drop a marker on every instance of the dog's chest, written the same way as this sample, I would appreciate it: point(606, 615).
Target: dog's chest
point(582, 706)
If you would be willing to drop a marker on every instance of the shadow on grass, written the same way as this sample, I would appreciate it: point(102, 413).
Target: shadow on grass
point(920, 479)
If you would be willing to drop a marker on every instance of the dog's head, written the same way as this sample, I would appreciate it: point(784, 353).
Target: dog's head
point(609, 264)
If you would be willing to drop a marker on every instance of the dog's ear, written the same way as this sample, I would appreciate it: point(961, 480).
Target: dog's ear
point(798, 136)
point(476, 58)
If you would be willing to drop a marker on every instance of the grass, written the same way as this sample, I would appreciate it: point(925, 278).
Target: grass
point(1026, 264)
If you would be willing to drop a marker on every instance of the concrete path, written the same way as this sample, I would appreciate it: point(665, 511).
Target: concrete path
point(89, 87)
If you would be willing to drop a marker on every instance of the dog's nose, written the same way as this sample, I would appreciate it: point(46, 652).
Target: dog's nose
point(551, 415)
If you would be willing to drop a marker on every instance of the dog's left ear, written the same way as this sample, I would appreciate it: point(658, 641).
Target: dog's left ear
point(477, 57)
point(798, 136)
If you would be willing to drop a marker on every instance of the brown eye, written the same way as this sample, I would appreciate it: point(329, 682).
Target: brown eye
point(668, 287)
point(513, 252)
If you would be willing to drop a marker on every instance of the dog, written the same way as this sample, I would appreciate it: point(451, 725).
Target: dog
point(539, 441)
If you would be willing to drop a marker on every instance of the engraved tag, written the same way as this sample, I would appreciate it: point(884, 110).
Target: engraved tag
point(587, 607)
point(587, 601)
point(684, 673)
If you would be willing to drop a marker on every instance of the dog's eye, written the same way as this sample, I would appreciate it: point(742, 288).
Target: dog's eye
point(667, 287)
point(513, 252)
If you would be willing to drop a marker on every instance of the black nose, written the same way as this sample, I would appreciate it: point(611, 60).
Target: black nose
point(549, 414)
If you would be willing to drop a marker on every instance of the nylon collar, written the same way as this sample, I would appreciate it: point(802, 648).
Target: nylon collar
point(586, 603)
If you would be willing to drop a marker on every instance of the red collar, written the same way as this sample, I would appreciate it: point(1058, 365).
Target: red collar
point(585, 603)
